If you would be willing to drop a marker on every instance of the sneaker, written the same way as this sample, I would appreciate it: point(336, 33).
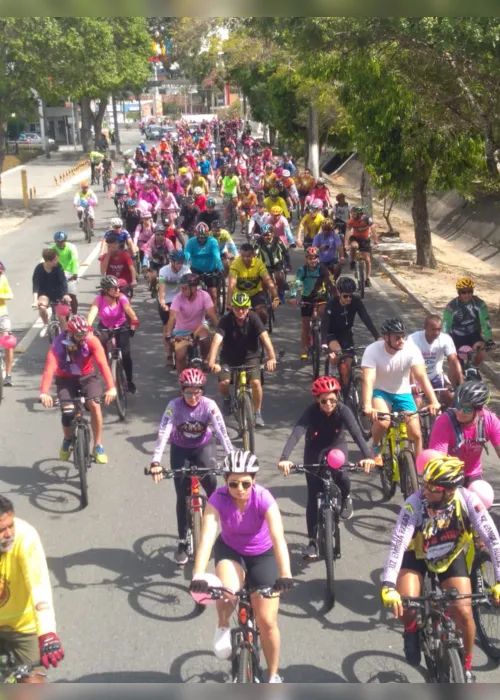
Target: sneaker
point(276, 679)
point(65, 450)
point(181, 555)
point(222, 643)
point(377, 455)
point(304, 356)
point(347, 509)
point(7, 380)
point(310, 552)
point(368, 282)
point(99, 455)
point(411, 646)
point(131, 387)
point(353, 265)
point(226, 406)
point(259, 421)
point(470, 677)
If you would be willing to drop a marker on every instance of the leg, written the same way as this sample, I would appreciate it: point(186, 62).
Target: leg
point(266, 614)
point(415, 432)
point(368, 262)
point(257, 394)
point(180, 355)
point(182, 485)
point(304, 336)
point(334, 347)
point(462, 614)
point(409, 583)
point(74, 304)
point(261, 311)
point(480, 353)
point(224, 387)
point(380, 427)
point(232, 576)
point(123, 342)
point(314, 488)
point(96, 422)
point(345, 367)
point(43, 303)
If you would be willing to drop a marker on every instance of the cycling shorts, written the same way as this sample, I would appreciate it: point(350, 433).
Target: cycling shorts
point(24, 647)
point(259, 299)
point(364, 246)
point(396, 402)
point(457, 568)
point(470, 340)
point(307, 311)
point(260, 569)
point(5, 324)
point(344, 339)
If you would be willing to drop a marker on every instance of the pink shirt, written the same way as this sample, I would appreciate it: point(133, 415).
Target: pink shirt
point(191, 314)
point(443, 439)
point(111, 316)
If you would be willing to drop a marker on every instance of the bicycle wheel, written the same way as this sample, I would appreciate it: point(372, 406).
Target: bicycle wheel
point(121, 392)
point(328, 531)
point(452, 669)
point(246, 423)
point(315, 352)
point(87, 230)
point(408, 473)
point(53, 330)
point(221, 294)
point(196, 519)
point(361, 267)
point(425, 430)
point(245, 667)
point(232, 219)
point(387, 472)
point(355, 394)
point(486, 616)
point(81, 458)
point(270, 316)
point(2, 366)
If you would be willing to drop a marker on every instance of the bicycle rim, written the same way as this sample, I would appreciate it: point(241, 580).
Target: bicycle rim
point(246, 423)
point(315, 353)
point(452, 669)
point(328, 531)
point(196, 519)
point(486, 616)
point(270, 318)
point(356, 392)
point(245, 667)
point(81, 454)
point(121, 394)
point(408, 473)
point(387, 472)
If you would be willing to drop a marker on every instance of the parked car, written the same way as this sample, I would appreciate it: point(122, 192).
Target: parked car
point(153, 132)
point(36, 138)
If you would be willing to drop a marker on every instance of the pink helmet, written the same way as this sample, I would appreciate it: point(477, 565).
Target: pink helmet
point(192, 377)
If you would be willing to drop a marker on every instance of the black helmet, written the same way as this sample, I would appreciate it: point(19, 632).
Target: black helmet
point(109, 282)
point(346, 285)
point(190, 279)
point(472, 394)
point(393, 325)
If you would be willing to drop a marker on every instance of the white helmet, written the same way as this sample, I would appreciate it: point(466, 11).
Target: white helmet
point(197, 191)
point(116, 222)
point(241, 462)
point(286, 173)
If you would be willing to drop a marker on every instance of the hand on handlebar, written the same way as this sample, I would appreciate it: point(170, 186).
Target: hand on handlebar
point(367, 464)
point(434, 408)
point(285, 465)
point(156, 472)
point(215, 368)
point(46, 400)
point(371, 412)
point(392, 599)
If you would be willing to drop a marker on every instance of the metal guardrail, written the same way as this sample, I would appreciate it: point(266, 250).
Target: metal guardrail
point(71, 172)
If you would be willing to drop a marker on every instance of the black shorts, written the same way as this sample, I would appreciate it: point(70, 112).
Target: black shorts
point(67, 387)
point(204, 456)
point(307, 311)
point(365, 245)
point(457, 568)
point(345, 340)
point(253, 373)
point(261, 569)
point(209, 278)
point(461, 340)
point(259, 299)
point(164, 315)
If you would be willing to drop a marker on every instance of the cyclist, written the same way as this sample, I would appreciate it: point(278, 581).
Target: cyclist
point(169, 278)
point(305, 183)
point(310, 225)
point(120, 189)
point(210, 214)
point(200, 199)
point(330, 247)
point(27, 619)
point(85, 198)
point(362, 232)
point(189, 215)
point(49, 286)
point(167, 207)
point(188, 424)
point(324, 425)
point(249, 274)
point(230, 190)
point(269, 178)
point(337, 324)
point(464, 430)
point(251, 547)
point(435, 346)
point(132, 217)
point(280, 225)
point(273, 201)
point(275, 256)
point(227, 247)
point(316, 286)
point(467, 320)
point(205, 258)
point(386, 367)
point(239, 335)
point(70, 358)
point(434, 532)
point(341, 213)
point(67, 256)
point(107, 166)
point(5, 323)
point(198, 181)
point(143, 234)
point(156, 253)
point(320, 191)
point(95, 157)
point(114, 311)
point(122, 235)
point(247, 203)
point(118, 263)
point(187, 318)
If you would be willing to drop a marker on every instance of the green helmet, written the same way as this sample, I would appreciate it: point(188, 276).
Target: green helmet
point(358, 210)
point(240, 300)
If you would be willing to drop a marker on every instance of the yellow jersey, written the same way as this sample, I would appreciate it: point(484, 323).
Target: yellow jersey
point(311, 225)
point(25, 592)
point(5, 293)
point(248, 279)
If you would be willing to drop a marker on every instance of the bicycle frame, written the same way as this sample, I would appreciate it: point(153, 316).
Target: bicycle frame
point(398, 439)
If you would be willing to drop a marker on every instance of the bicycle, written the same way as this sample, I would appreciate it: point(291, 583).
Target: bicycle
point(427, 421)
point(106, 181)
point(11, 671)
point(115, 362)
point(466, 356)
point(314, 349)
point(193, 357)
point(87, 228)
point(220, 286)
point(328, 530)
point(196, 500)
point(486, 614)
point(353, 392)
point(242, 404)
point(398, 457)
point(360, 272)
point(54, 327)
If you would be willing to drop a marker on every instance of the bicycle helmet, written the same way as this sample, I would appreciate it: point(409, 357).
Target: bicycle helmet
point(328, 224)
point(60, 236)
point(131, 203)
point(444, 471)
point(190, 279)
point(320, 181)
point(197, 191)
point(192, 377)
point(109, 282)
point(266, 229)
point(316, 204)
point(202, 230)
point(465, 283)
point(115, 222)
point(392, 325)
point(286, 173)
point(276, 211)
point(179, 256)
point(472, 394)
point(346, 285)
point(312, 252)
point(357, 210)
point(324, 385)
point(211, 202)
point(77, 325)
point(241, 300)
point(273, 192)
point(240, 462)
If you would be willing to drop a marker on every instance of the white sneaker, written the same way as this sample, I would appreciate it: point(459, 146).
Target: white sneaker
point(222, 643)
point(276, 679)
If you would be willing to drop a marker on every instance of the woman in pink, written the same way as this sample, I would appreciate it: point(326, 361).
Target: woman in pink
point(168, 204)
point(320, 191)
point(251, 546)
point(113, 309)
point(144, 232)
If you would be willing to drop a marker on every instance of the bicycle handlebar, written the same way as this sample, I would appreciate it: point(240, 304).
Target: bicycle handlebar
point(437, 599)
point(193, 470)
point(347, 467)
point(218, 592)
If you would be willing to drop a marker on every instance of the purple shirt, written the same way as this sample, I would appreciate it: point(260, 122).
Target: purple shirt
point(332, 241)
point(246, 532)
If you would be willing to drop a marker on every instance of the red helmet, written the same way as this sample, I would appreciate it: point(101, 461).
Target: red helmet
point(324, 385)
point(312, 252)
point(77, 325)
point(192, 377)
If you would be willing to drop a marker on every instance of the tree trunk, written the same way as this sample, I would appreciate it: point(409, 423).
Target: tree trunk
point(117, 132)
point(313, 139)
point(489, 151)
point(272, 136)
point(366, 192)
point(420, 215)
point(98, 119)
point(86, 133)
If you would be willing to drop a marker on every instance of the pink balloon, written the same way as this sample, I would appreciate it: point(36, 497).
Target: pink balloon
point(483, 491)
point(206, 598)
point(335, 459)
point(8, 342)
point(426, 456)
point(62, 310)
point(463, 352)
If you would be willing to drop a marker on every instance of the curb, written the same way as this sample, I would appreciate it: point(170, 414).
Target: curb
point(487, 367)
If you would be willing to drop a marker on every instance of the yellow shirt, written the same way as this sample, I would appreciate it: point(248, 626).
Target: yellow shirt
point(311, 225)
point(269, 203)
point(25, 592)
point(5, 293)
point(248, 279)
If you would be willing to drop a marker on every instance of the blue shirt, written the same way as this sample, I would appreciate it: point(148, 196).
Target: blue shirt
point(332, 241)
point(123, 237)
point(219, 162)
point(204, 258)
point(289, 166)
point(204, 166)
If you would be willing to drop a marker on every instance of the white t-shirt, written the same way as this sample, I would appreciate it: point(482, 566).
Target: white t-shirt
point(393, 371)
point(171, 280)
point(434, 354)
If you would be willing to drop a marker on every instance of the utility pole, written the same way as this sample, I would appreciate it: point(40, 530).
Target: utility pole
point(117, 131)
point(313, 141)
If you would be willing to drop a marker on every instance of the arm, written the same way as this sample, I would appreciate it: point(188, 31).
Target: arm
point(275, 525)
point(92, 313)
point(231, 284)
point(171, 322)
point(36, 576)
point(268, 346)
point(484, 320)
point(288, 233)
point(212, 316)
point(166, 427)
point(401, 538)
point(133, 274)
point(209, 531)
point(366, 318)
point(130, 311)
point(214, 349)
point(482, 521)
point(420, 374)
point(269, 284)
point(74, 264)
point(454, 370)
point(219, 427)
point(294, 437)
point(48, 372)
point(231, 247)
point(369, 374)
point(447, 319)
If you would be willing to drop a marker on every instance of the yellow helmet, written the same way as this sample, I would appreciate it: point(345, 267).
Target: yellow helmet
point(183, 170)
point(465, 283)
point(444, 471)
point(276, 211)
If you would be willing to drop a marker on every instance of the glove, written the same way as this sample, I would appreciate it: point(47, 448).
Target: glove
point(199, 586)
point(495, 592)
point(51, 651)
point(390, 596)
point(283, 584)
point(134, 324)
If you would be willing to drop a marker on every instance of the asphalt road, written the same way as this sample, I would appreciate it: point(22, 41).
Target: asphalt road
point(123, 610)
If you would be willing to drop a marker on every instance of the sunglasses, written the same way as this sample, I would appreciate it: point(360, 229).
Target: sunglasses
point(399, 336)
point(434, 489)
point(462, 292)
point(323, 402)
point(244, 484)
point(192, 394)
point(467, 410)
point(346, 296)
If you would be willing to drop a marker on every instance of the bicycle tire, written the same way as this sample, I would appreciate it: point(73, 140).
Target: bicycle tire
point(452, 669)
point(245, 667)
point(121, 393)
point(196, 520)
point(53, 331)
point(361, 267)
point(387, 473)
point(232, 219)
point(484, 569)
point(355, 394)
point(315, 353)
point(246, 423)
point(2, 366)
point(408, 473)
point(221, 295)
point(425, 430)
point(328, 532)
point(80, 456)
point(87, 231)
point(270, 318)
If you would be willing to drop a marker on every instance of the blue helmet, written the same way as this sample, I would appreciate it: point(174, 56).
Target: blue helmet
point(266, 228)
point(131, 203)
point(60, 236)
point(180, 256)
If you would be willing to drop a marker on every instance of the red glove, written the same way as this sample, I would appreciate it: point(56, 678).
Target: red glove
point(51, 651)
point(134, 324)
